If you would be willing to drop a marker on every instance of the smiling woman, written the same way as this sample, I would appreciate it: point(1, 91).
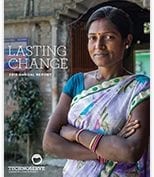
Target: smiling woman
point(108, 39)
point(104, 127)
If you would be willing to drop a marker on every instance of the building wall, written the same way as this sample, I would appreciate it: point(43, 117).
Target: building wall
point(21, 9)
point(39, 32)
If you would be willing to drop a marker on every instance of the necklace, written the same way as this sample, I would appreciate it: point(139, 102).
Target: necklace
point(129, 72)
point(99, 79)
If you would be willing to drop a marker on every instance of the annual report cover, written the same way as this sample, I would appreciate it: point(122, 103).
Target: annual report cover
point(45, 43)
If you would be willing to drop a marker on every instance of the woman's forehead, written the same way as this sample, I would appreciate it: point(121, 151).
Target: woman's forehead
point(102, 26)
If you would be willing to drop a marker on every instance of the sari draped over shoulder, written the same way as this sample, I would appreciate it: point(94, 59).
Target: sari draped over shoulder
point(105, 108)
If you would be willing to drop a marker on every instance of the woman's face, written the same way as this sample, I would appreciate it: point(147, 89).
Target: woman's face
point(105, 44)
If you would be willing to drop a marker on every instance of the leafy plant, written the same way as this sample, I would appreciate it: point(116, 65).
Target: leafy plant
point(25, 120)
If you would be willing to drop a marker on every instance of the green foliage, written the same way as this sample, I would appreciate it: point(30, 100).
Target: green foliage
point(25, 120)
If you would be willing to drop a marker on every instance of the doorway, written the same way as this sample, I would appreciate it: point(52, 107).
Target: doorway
point(80, 59)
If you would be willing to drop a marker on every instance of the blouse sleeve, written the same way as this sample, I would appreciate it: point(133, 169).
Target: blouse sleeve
point(74, 85)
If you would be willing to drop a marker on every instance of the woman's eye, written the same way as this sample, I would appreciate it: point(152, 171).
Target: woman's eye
point(92, 38)
point(103, 37)
point(108, 37)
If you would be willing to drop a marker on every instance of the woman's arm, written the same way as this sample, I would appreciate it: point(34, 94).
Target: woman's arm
point(54, 144)
point(132, 148)
point(115, 147)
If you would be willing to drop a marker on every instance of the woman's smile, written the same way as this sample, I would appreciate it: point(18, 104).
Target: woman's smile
point(101, 54)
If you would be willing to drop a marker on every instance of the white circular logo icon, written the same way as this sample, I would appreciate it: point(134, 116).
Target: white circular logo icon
point(36, 159)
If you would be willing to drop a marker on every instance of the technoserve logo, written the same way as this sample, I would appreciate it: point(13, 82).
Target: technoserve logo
point(36, 159)
point(35, 168)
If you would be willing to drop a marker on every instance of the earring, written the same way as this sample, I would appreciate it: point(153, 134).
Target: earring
point(127, 46)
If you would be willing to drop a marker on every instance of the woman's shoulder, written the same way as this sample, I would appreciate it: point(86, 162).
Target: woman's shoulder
point(138, 78)
point(142, 78)
point(89, 73)
point(77, 75)
point(82, 76)
point(139, 82)
point(74, 85)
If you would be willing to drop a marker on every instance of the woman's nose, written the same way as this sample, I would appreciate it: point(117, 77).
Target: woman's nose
point(100, 44)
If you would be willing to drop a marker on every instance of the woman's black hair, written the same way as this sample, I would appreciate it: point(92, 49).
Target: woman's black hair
point(116, 16)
